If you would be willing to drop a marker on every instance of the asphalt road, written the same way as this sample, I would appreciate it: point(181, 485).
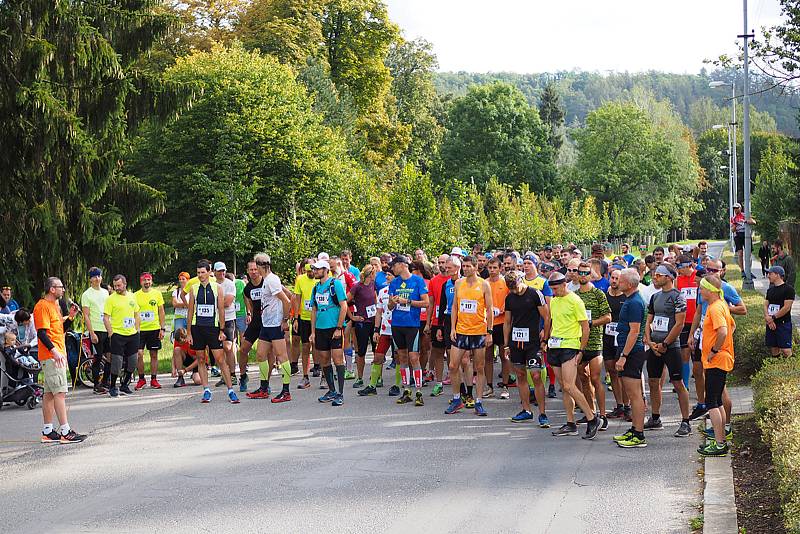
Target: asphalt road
point(162, 462)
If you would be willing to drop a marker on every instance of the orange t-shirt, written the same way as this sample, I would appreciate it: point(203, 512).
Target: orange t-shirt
point(499, 294)
point(471, 307)
point(718, 315)
point(47, 315)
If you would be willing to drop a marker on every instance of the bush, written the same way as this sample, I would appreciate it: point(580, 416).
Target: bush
point(776, 393)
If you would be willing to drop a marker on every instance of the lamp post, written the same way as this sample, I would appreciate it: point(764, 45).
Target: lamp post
point(731, 178)
point(747, 283)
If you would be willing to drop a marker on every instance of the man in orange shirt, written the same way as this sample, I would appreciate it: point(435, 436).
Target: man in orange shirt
point(52, 353)
point(717, 358)
point(499, 294)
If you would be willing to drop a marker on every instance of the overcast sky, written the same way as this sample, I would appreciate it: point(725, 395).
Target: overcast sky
point(595, 35)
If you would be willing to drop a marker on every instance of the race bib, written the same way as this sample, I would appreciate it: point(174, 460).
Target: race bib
point(496, 312)
point(611, 329)
point(660, 324)
point(205, 310)
point(146, 316)
point(520, 334)
point(689, 293)
point(238, 306)
point(468, 306)
point(554, 342)
point(307, 305)
point(255, 294)
point(404, 307)
point(128, 322)
point(697, 334)
point(322, 299)
point(371, 311)
point(589, 315)
point(772, 309)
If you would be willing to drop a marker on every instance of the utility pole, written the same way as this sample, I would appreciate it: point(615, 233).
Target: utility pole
point(747, 283)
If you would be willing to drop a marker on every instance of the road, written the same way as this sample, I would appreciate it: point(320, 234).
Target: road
point(162, 462)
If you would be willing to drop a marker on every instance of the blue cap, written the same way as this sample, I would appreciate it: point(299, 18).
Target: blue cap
point(95, 271)
point(489, 255)
point(777, 269)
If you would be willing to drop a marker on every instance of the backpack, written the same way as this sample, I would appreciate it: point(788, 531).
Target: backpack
point(331, 288)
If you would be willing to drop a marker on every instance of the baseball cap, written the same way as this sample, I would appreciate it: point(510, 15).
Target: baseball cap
point(737, 205)
point(220, 266)
point(777, 269)
point(456, 252)
point(547, 267)
point(95, 271)
point(548, 248)
point(323, 256)
point(398, 259)
point(489, 255)
point(321, 264)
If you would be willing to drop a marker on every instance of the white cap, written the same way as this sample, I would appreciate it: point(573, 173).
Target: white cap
point(456, 252)
point(220, 266)
point(323, 256)
point(321, 264)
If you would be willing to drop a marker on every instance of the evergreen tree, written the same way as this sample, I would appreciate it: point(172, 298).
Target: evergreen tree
point(551, 111)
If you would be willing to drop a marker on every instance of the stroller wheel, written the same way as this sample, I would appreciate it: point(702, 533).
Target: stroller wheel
point(20, 402)
point(32, 403)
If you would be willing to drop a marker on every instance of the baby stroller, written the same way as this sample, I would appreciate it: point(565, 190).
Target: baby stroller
point(18, 379)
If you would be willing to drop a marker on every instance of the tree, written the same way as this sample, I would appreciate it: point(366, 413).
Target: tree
point(493, 131)
point(69, 97)
point(551, 112)
point(777, 191)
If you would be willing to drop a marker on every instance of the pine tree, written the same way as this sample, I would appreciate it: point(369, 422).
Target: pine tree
point(69, 98)
point(551, 111)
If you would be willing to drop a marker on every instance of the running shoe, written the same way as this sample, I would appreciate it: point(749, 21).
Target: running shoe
point(454, 407)
point(232, 397)
point(349, 375)
point(437, 390)
point(624, 437)
point(140, 384)
point(591, 428)
point(315, 372)
point(633, 442)
point(504, 395)
point(429, 377)
point(616, 413)
point(52, 438)
point(114, 392)
point(489, 393)
point(322, 383)
point(220, 383)
point(684, 430)
point(328, 397)
point(380, 382)
point(405, 398)
point(394, 391)
point(180, 382)
point(479, 409)
point(709, 433)
point(72, 437)
point(283, 396)
point(713, 449)
point(338, 400)
point(258, 394)
point(418, 400)
point(206, 398)
point(582, 421)
point(512, 382)
point(522, 417)
point(653, 424)
point(699, 411)
point(603, 423)
point(551, 392)
point(367, 392)
point(608, 380)
point(154, 383)
point(125, 389)
point(243, 383)
point(446, 381)
point(469, 402)
point(358, 384)
point(100, 390)
point(567, 429)
point(214, 371)
point(544, 422)
point(304, 384)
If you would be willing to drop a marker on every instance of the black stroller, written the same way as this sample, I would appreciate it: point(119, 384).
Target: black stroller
point(18, 372)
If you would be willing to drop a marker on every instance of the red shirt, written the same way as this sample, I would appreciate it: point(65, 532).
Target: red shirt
point(687, 285)
point(435, 292)
point(185, 347)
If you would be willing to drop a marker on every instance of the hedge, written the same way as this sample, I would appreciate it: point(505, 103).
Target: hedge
point(776, 395)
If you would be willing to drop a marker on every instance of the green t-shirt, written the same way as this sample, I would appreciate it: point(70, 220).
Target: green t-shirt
point(566, 313)
point(122, 310)
point(303, 286)
point(95, 300)
point(241, 310)
point(596, 305)
point(149, 303)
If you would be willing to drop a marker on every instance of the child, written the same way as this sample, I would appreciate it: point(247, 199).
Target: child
point(184, 359)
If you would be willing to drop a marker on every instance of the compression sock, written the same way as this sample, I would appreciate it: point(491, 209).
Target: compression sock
point(328, 372)
point(348, 358)
point(463, 389)
point(340, 375)
point(96, 363)
point(469, 391)
point(686, 372)
point(404, 375)
point(286, 372)
point(264, 371)
point(141, 376)
point(375, 371)
point(418, 378)
point(293, 367)
point(397, 378)
point(106, 371)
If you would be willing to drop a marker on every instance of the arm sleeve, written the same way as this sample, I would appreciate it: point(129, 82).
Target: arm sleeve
point(42, 335)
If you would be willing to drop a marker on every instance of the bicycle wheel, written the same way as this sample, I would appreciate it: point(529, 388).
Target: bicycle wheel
point(84, 371)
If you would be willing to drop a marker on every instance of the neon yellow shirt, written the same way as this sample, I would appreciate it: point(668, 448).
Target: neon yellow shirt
point(566, 313)
point(303, 286)
point(149, 303)
point(122, 309)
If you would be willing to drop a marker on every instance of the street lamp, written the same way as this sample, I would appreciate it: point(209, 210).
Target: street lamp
point(731, 169)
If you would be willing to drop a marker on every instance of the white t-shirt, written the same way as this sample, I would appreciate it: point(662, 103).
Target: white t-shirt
point(647, 292)
point(179, 312)
point(386, 313)
point(230, 289)
point(271, 305)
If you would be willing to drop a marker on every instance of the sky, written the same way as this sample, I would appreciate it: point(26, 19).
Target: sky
point(528, 36)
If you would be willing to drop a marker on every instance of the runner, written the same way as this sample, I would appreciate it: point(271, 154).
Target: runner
point(470, 333)
point(434, 325)
point(499, 294)
point(229, 298)
point(524, 341)
point(666, 315)
point(536, 281)
point(241, 310)
point(252, 303)
point(598, 313)
point(738, 223)
point(687, 285)
point(364, 301)
point(408, 296)
point(630, 347)
point(184, 360)
point(381, 340)
point(423, 270)
point(206, 313)
point(778, 313)
point(328, 313)
point(303, 291)
point(122, 320)
point(92, 303)
point(151, 329)
point(615, 298)
point(347, 257)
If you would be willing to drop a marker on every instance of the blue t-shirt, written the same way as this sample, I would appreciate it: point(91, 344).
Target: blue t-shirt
point(632, 311)
point(322, 300)
point(411, 289)
point(629, 259)
point(546, 290)
point(729, 293)
point(449, 293)
point(380, 281)
point(355, 271)
point(602, 285)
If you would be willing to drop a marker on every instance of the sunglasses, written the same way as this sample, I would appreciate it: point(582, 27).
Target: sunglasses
point(584, 273)
point(712, 270)
point(262, 263)
point(572, 270)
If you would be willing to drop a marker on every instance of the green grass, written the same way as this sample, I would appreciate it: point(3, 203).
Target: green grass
point(696, 523)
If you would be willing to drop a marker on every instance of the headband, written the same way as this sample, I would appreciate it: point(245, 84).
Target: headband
point(708, 286)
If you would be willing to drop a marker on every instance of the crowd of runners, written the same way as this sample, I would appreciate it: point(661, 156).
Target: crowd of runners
point(542, 320)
